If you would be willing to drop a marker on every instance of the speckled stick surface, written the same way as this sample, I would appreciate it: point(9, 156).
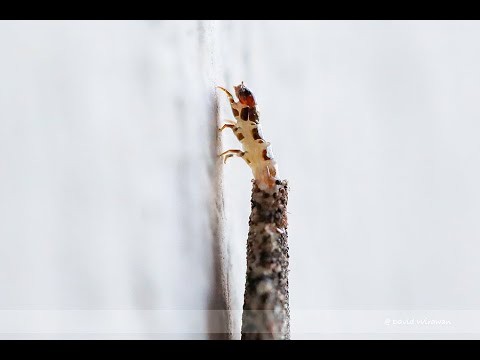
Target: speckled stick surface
point(265, 310)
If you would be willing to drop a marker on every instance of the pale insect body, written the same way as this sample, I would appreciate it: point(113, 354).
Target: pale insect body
point(257, 152)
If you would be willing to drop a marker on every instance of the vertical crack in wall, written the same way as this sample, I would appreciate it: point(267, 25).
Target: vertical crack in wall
point(219, 318)
point(220, 322)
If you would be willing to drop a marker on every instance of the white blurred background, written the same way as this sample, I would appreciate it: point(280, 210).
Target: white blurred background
point(108, 220)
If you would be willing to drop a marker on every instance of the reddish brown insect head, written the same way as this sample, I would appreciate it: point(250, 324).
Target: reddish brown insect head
point(244, 95)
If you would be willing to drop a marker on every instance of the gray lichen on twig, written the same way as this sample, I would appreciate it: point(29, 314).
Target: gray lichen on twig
point(266, 312)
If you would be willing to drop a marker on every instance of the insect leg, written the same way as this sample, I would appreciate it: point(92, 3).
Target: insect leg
point(230, 125)
point(229, 153)
point(230, 97)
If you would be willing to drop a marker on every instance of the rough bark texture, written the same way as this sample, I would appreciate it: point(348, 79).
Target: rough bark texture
point(265, 311)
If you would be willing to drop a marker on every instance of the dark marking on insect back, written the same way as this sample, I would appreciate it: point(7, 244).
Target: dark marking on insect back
point(252, 114)
point(265, 155)
point(235, 112)
point(240, 136)
point(244, 114)
point(255, 134)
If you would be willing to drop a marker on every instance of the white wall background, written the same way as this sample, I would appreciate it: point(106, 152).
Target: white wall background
point(108, 179)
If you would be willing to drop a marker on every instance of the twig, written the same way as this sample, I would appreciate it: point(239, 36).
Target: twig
point(266, 310)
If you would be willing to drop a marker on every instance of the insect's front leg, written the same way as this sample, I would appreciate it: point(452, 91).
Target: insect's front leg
point(230, 97)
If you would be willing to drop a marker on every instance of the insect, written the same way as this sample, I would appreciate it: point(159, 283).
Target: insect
point(257, 152)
